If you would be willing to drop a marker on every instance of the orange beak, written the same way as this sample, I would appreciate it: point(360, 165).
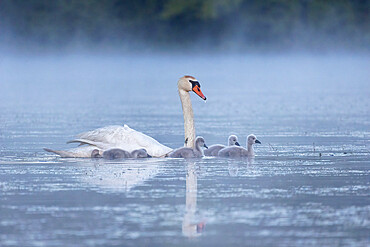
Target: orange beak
point(197, 90)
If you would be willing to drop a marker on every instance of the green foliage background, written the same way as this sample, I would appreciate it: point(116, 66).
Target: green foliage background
point(214, 24)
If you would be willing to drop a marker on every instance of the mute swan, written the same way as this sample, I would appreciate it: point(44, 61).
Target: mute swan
point(116, 153)
point(129, 139)
point(186, 152)
point(213, 150)
point(235, 151)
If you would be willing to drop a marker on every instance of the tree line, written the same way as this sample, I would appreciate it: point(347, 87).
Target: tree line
point(214, 24)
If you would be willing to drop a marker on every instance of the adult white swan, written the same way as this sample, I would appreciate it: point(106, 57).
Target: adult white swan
point(129, 139)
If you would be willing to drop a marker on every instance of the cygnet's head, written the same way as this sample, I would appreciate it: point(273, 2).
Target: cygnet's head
point(189, 83)
point(95, 154)
point(252, 139)
point(233, 140)
point(140, 153)
point(199, 142)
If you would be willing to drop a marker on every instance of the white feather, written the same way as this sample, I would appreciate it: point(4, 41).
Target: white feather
point(122, 137)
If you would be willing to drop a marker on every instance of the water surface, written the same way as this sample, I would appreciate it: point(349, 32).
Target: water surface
point(308, 185)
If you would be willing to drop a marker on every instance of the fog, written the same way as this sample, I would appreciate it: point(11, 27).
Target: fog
point(283, 72)
point(224, 26)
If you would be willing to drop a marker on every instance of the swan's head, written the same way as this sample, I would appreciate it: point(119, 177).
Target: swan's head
point(95, 154)
point(189, 83)
point(199, 142)
point(233, 140)
point(252, 139)
point(140, 153)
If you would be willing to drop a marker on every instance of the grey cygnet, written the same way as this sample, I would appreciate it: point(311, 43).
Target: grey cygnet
point(235, 151)
point(213, 150)
point(185, 152)
point(117, 153)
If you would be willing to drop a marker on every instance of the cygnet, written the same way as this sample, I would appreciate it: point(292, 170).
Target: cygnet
point(185, 152)
point(236, 151)
point(213, 150)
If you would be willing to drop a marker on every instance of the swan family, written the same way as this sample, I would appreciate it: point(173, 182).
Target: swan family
point(114, 142)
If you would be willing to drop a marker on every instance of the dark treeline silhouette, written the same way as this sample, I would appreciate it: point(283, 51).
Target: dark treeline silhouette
point(213, 24)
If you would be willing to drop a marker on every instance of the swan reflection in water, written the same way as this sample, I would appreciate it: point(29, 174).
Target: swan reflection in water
point(125, 175)
point(191, 226)
point(235, 165)
point(120, 175)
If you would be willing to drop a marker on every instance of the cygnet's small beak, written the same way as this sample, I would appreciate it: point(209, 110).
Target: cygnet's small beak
point(205, 146)
point(149, 156)
point(196, 89)
point(257, 141)
point(237, 144)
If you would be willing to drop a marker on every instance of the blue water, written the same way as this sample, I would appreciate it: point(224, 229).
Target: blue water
point(308, 185)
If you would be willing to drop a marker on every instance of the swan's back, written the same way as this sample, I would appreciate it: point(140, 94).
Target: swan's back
point(213, 150)
point(184, 153)
point(140, 153)
point(126, 138)
point(233, 151)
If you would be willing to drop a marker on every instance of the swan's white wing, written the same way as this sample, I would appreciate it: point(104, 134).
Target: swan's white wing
point(108, 134)
point(213, 150)
point(126, 138)
point(79, 152)
point(100, 145)
point(153, 147)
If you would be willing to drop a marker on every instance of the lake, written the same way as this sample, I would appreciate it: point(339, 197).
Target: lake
point(307, 186)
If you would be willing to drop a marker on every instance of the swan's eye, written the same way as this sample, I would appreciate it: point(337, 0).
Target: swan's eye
point(194, 83)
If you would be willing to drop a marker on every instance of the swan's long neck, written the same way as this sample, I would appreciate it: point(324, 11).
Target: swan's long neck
point(250, 149)
point(187, 111)
point(200, 150)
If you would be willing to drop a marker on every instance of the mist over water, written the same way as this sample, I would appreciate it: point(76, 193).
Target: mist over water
point(193, 26)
